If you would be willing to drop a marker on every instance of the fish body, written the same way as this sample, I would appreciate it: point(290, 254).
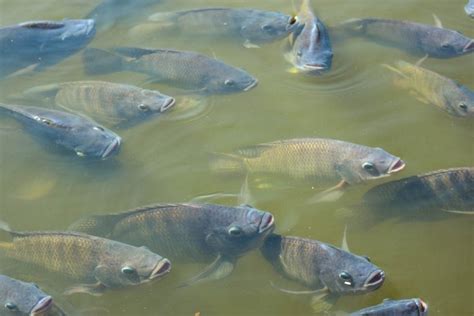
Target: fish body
point(433, 88)
point(414, 37)
point(70, 131)
point(106, 102)
point(316, 160)
point(36, 45)
point(97, 262)
point(310, 46)
point(21, 298)
point(318, 265)
point(406, 307)
point(182, 69)
point(469, 8)
point(251, 26)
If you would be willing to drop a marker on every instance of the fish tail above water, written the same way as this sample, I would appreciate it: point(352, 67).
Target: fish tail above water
point(96, 225)
point(98, 61)
point(227, 163)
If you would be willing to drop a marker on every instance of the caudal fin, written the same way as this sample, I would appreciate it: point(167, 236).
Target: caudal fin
point(226, 163)
point(98, 61)
point(96, 225)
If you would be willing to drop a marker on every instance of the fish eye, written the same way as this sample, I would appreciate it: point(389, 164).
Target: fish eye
point(299, 53)
point(35, 285)
point(367, 258)
point(463, 106)
point(99, 128)
point(128, 270)
point(45, 121)
point(10, 306)
point(445, 46)
point(229, 82)
point(346, 277)
point(143, 107)
point(235, 231)
point(368, 166)
point(293, 20)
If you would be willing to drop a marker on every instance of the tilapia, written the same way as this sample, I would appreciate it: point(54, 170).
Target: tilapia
point(432, 88)
point(406, 307)
point(187, 232)
point(106, 102)
point(416, 38)
point(326, 270)
point(318, 161)
point(70, 131)
point(182, 69)
point(252, 27)
point(309, 45)
point(100, 264)
point(35, 45)
point(469, 8)
point(21, 298)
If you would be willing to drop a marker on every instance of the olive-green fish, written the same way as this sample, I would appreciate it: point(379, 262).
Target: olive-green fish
point(318, 161)
point(187, 232)
point(106, 102)
point(433, 88)
point(98, 263)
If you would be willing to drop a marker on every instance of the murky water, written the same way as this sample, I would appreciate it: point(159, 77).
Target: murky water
point(167, 161)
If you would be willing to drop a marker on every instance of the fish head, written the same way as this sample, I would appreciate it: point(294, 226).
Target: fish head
point(345, 273)
point(449, 43)
point(21, 298)
point(459, 101)
point(374, 163)
point(265, 26)
point(409, 307)
point(93, 140)
point(247, 230)
point(228, 79)
point(148, 103)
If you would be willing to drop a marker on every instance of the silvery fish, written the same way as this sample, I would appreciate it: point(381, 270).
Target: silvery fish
point(36, 45)
point(106, 102)
point(432, 88)
point(100, 264)
point(252, 27)
point(187, 232)
point(182, 69)
point(326, 270)
point(318, 161)
point(469, 8)
point(70, 131)
point(309, 45)
point(407, 307)
point(21, 298)
point(421, 39)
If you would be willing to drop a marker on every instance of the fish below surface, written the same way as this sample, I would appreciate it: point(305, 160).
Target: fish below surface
point(406, 307)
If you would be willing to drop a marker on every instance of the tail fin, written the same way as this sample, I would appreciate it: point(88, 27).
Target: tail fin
point(227, 163)
point(98, 61)
point(96, 225)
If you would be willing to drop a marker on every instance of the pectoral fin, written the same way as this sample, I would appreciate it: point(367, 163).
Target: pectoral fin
point(331, 194)
point(219, 269)
point(459, 212)
point(248, 44)
point(322, 303)
point(211, 197)
point(344, 245)
point(24, 71)
point(437, 21)
point(96, 289)
point(319, 292)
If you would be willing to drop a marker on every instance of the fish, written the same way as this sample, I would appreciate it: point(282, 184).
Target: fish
point(181, 69)
point(72, 132)
point(469, 8)
point(106, 102)
point(309, 46)
point(22, 298)
point(187, 233)
point(249, 26)
point(319, 161)
point(327, 271)
point(415, 38)
point(36, 45)
point(406, 307)
point(100, 264)
point(432, 88)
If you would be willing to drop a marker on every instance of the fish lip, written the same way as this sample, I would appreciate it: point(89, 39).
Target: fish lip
point(251, 85)
point(397, 166)
point(317, 67)
point(469, 46)
point(169, 103)
point(162, 268)
point(42, 306)
point(422, 306)
point(266, 223)
point(375, 280)
point(90, 26)
point(112, 147)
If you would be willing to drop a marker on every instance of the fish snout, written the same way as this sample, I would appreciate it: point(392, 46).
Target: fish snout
point(112, 147)
point(422, 307)
point(469, 47)
point(375, 280)
point(42, 306)
point(267, 223)
point(162, 268)
point(251, 85)
point(316, 67)
point(168, 104)
point(397, 166)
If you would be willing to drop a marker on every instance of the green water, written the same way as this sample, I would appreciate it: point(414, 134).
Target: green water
point(167, 161)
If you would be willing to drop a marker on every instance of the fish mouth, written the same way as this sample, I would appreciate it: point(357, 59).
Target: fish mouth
point(469, 47)
point(422, 306)
point(375, 280)
point(251, 85)
point(161, 269)
point(397, 166)
point(168, 104)
point(90, 26)
point(315, 67)
point(111, 148)
point(42, 306)
point(266, 223)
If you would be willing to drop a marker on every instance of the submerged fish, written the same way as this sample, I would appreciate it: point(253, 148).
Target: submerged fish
point(21, 298)
point(422, 39)
point(435, 89)
point(36, 45)
point(318, 161)
point(107, 102)
point(469, 8)
point(407, 307)
point(251, 26)
point(70, 131)
point(323, 268)
point(310, 47)
point(99, 263)
point(187, 232)
point(183, 69)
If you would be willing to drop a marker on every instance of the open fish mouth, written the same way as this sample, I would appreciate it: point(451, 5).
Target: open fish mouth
point(267, 223)
point(375, 280)
point(469, 47)
point(161, 269)
point(422, 306)
point(111, 148)
point(169, 103)
point(251, 85)
point(398, 165)
point(42, 306)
